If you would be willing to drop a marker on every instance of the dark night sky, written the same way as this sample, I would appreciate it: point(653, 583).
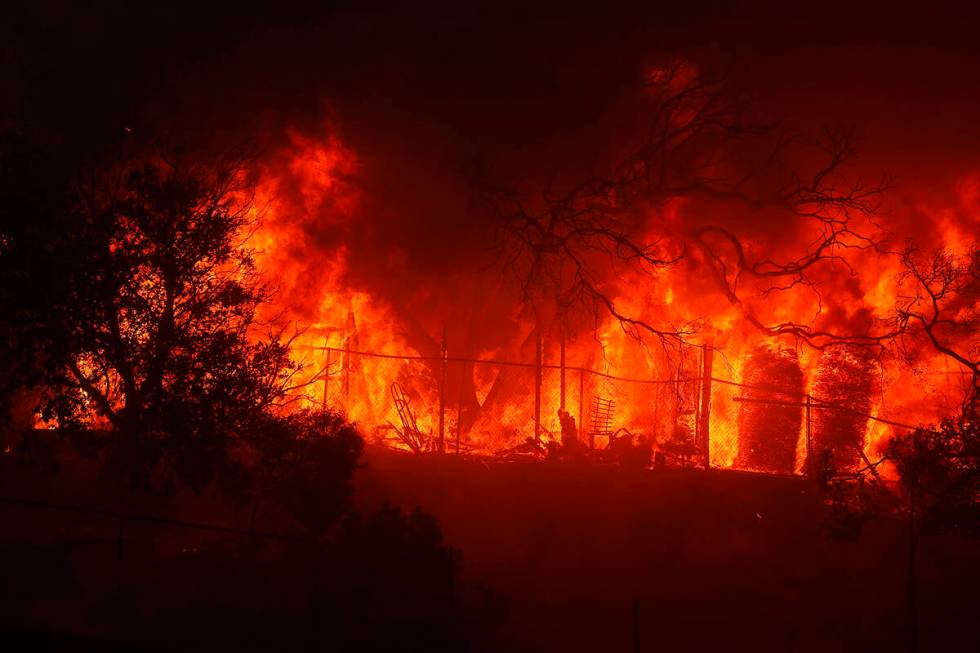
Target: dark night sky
point(420, 93)
point(486, 72)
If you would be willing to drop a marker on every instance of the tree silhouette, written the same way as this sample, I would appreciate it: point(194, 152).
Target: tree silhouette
point(940, 303)
point(695, 141)
point(940, 473)
point(149, 338)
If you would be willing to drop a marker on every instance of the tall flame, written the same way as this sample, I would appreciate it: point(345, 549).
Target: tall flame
point(308, 200)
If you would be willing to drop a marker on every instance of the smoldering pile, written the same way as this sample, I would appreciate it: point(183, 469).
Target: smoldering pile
point(770, 418)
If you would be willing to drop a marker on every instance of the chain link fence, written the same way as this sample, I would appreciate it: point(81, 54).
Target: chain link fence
point(462, 405)
point(472, 404)
point(762, 430)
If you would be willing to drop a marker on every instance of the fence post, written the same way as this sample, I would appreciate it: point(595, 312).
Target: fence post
point(704, 425)
point(581, 407)
point(561, 401)
point(537, 384)
point(442, 391)
point(459, 403)
point(326, 375)
point(347, 365)
point(809, 456)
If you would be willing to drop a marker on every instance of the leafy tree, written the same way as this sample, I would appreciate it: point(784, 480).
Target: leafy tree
point(144, 334)
point(940, 474)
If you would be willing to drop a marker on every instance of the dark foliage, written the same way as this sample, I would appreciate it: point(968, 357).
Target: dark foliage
point(129, 302)
point(303, 462)
point(940, 473)
point(851, 502)
point(398, 587)
point(383, 582)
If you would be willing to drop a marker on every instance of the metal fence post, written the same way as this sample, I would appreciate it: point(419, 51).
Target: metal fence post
point(443, 352)
point(581, 406)
point(704, 423)
point(326, 376)
point(809, 423)
point(537, 384)
point(347, 365)
point(561, 401)
point(459, 404)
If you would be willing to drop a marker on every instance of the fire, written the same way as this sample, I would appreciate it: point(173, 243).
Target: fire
point(355, 345)
point(304, 199)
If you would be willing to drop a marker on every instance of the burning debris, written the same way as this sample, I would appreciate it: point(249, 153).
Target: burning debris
point(601, 417)
point(409, 433)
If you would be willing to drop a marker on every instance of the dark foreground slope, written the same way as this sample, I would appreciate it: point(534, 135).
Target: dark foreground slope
point(713, 559)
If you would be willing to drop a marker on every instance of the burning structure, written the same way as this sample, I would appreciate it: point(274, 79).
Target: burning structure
point(534, 267)
point(589, 306)
point(647, 236)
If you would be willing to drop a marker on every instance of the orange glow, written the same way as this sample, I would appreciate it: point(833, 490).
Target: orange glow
point(308, 201)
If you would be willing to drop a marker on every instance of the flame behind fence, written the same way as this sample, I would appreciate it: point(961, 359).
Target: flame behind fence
point(461, 405)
